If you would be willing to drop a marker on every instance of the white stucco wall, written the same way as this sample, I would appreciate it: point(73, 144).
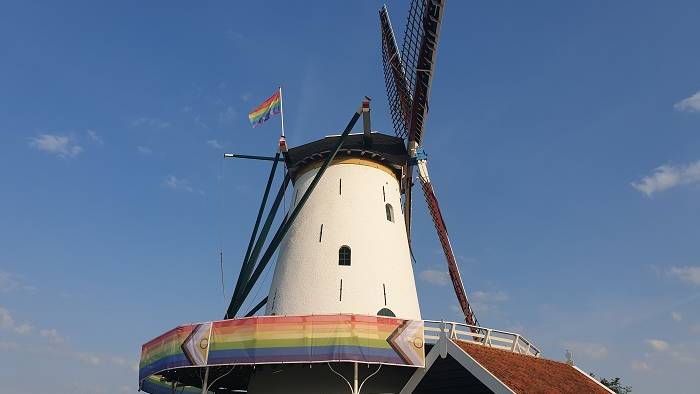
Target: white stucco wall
point(307, 274)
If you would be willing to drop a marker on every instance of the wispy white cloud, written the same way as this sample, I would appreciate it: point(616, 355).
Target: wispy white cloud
point(487, 301)
point(186, 109)
point(175, 183)
point(686, 274)
point(667, 177)
point(105, 359)
point(214, 144)
point(143, 150)
point(683, 353)
point(52, 335)
point(489, 296)
point(61, 350)
point(245, 96)
point(10, 283)
point(7, 322)
point(676, 316)
point(95, 138)
point(639, 365)
point(657, 344)
point(199, 122)
point(87, 358)
point(119, 360)
point(59, 145)
point(228, 115)
point(48, 343)
point(690, 104)
point(23, 328)
point(435, 277)
point(150, 122)
point(590, 350)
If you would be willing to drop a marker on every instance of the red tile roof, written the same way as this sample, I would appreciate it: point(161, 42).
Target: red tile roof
point(531, 375)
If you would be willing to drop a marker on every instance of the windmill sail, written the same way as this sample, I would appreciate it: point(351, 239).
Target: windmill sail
point(418, 53)
point(394, 77)
point(408, 81)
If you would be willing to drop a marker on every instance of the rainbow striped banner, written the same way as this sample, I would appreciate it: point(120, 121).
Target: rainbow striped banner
point(287, 339)
point(269, 107)
point(165, 352)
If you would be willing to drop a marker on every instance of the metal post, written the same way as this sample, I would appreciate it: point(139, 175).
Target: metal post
point(252, 157)
point(515, 343)
point(205, 389)
point(487, 338)
point(282, 110)
point(354, 383)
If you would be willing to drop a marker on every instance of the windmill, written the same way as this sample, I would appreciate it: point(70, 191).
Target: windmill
point(408, 75)
point(342, 309)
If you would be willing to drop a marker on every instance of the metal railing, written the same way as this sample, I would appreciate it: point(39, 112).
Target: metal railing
point(480, 336)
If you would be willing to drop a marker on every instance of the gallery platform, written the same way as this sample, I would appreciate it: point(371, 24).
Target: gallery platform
point(350, 353)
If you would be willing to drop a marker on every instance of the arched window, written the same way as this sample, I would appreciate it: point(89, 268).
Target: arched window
point(386, 312)
point(389, 212)
point(344, 255)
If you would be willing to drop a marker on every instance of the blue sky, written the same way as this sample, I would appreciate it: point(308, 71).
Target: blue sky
point(563, 141)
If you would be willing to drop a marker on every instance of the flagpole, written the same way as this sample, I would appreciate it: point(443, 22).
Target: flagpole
point(282, 110)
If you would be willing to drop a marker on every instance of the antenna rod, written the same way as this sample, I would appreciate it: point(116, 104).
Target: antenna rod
point(282, 110)
point(252, 157)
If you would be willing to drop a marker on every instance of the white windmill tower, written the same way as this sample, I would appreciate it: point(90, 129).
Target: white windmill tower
point(347, 251)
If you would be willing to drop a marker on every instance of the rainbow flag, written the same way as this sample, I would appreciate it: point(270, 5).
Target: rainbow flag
point(269, 107)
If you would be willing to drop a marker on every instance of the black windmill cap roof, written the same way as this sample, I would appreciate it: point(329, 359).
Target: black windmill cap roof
point(382, 148)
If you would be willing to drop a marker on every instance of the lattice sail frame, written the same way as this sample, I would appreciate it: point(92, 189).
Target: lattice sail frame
point(408, 76)
point(418, 52)
point(411, 45)
point(408, 81)
point(394, 77)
